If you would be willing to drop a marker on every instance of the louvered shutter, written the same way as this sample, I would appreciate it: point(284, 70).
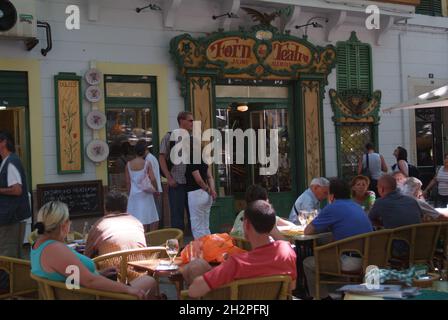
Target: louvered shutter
point(430, 8)
point(13, 89)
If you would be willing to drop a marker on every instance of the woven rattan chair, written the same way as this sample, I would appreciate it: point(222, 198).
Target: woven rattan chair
point(54, 290)
point(261, 288)
point(33, 236)
point(20, 283)
point(159, 237)
point(120, 260)
point(373, 247)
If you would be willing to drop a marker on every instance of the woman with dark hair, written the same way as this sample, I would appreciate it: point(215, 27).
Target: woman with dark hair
point(141, 202)
point(402, 161)
point(254, 193)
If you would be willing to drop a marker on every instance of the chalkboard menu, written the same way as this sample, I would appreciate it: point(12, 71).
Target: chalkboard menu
point(84, 198)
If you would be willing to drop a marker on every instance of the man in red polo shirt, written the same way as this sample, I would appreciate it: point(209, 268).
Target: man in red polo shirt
point(267, 257)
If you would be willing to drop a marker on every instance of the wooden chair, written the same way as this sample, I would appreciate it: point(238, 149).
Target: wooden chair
point(159, 237)
point(261, 288)
point(242, 243)
point(422, 241)
point(55, 290)
point(120, 260)
point(372, 247)
point(33, 236)
point(20, 283)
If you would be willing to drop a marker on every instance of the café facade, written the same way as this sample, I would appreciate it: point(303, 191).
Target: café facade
point(312, 70)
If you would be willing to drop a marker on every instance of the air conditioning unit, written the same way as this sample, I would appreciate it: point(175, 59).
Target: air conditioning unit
point(18, 19)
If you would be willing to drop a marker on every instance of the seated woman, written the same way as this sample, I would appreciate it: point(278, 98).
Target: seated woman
point(254, 193)
point(413, 188)
point(50, 257)
point(360, 194)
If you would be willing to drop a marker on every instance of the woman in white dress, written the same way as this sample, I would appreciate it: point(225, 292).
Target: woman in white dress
point(141, 203)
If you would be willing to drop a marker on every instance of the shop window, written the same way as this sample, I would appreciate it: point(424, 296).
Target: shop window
point(131, 113)
point(430, 7)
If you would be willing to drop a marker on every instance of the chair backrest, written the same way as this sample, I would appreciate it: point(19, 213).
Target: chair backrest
point(422, 240)
point(33, 236)
point(260, 288)
point(159, 237)
point(443, 237)
point(20, 282)
point(54, 290)
point(120, 260)
point(377, 248)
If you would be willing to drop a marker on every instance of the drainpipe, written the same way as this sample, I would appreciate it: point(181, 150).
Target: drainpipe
point(400, 66)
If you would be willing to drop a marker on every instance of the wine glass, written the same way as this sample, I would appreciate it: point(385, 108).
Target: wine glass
point(302, 217)
point(172, 249)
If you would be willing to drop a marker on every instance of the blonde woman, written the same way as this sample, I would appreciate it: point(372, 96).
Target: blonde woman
point(50, 257)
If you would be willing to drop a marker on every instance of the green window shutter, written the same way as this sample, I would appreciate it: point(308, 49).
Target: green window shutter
point(430, 8)
point(354, 66)
point(13, 89)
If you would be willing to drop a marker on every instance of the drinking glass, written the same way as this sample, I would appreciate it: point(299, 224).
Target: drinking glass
point(302, 217)
point(172, 249)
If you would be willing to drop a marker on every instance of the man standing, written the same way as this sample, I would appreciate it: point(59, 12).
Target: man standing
point(14, 202)
point(310, 199)
point(175, 174)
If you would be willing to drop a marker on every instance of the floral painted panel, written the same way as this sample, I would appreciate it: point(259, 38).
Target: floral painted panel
point(313, 157)
point(69, 130)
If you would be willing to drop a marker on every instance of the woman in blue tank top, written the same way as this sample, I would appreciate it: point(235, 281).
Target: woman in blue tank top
point(50, 257)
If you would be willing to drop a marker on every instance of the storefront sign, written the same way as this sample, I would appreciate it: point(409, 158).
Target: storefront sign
point(69, 123)
point(249, 55)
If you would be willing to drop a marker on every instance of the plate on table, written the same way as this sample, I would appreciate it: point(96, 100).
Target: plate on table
point(166, 266)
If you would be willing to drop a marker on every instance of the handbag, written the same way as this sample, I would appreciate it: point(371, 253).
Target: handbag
point(145, 184)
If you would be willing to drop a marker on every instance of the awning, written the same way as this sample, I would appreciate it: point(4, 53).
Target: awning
point(432, 99)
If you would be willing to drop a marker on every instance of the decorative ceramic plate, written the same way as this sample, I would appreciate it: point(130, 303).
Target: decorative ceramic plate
point(96, 120)
point(97, 150)
point(93, 76)
point(93, 94)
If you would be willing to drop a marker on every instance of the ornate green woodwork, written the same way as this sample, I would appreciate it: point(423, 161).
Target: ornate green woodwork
point(240, 54)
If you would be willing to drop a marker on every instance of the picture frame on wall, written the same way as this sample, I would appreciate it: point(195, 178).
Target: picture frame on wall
point(69, 131)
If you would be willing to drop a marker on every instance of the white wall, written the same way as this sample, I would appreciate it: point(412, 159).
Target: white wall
point(121, 35)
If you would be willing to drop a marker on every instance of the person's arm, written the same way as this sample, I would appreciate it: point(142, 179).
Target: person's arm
point(310, 229)
point(403, 167)
point(164, 149)
point(198, 288)
point(211, 182)
point(14, 190)
point(375, 214)
point(197, 177)
point(127, 178)
point(383, 164)
point(430, 186)
point(360, 165)
point(151, 175)
point(283, 222)
point(60, 258)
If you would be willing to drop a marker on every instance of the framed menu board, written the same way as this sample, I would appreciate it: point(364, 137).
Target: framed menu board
point(83, 198)
point(69, 135)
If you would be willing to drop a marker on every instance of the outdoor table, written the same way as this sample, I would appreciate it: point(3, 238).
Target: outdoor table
point(150, 266)
point(304, 245)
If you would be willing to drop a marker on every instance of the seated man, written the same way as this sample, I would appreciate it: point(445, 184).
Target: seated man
point(394, 209)
point(267, 258)
point(253, 193)
point(400, 178)
point(310, 199)
point(117, 230)
point(344, 218)
point(413, 188)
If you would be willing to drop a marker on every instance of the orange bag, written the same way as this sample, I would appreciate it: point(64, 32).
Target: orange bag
point(213, 247)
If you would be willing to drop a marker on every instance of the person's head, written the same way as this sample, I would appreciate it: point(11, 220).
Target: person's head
point(256, 192)
point(400, 178)
point(53, 220)
point(140, 148)
point(319, 186)
point(445, 160)
point(386, 185)
point(360, 185)
point(259, 219)
point(116, 201)
point(185, 120)
point(6, 142)
point(339, 190)
point(412, 187)
point(401, 154)
point(369, 146)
